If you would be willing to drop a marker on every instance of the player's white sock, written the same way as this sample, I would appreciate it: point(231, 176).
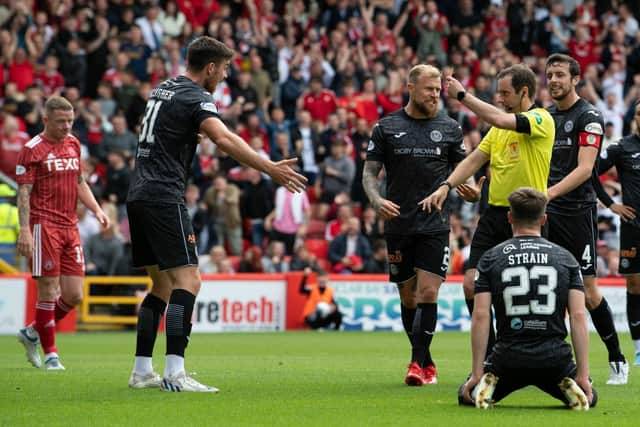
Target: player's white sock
point(143, 365)
point(636, 344)
point(175, 364)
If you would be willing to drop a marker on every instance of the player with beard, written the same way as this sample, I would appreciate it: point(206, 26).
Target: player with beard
point(518, 148)
point(162, 236)
point(418, 146)
point(625, 156)
point(572, 209)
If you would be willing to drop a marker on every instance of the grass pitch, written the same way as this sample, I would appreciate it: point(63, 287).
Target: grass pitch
point(283, 379)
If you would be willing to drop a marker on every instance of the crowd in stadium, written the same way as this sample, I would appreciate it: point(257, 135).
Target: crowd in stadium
point(310, 79)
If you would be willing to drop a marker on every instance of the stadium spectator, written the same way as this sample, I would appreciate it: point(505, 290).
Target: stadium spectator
point(344, 212)
point(10, 145)
point(319, 102)
point(50, 183)
point(377, 264)
point(349, 251)
point(216, 262)
point(198, 214)
point(336, 176)
point(163, 242)
point(223, 201)
point(88, 225)
point(117, 180)
point(306, 144)
point(256, 203)
point(514, 362)
point(103, 250)
point(303, 258)
point(251, 261)
point(321, 309)
point(274, 260)
point(288, 220)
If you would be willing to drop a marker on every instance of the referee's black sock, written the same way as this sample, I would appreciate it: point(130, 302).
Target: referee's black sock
point(424, 327)
point(151, 311)
point(178, 322)
point(407, 314)
point(633, 315)
point(603, 321)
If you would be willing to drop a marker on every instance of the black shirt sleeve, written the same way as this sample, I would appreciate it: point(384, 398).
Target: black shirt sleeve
point(483, 274)
point(522, 124)
point(204, 107)
point(457, 151)
point(375, 150)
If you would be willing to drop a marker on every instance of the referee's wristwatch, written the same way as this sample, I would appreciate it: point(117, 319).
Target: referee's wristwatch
point(460, 95)
point(447, 183)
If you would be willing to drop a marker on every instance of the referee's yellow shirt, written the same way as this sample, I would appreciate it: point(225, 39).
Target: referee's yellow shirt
point(518, 159)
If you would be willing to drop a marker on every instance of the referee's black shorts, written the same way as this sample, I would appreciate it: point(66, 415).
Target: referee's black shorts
point(493, 229)
point(161, 234)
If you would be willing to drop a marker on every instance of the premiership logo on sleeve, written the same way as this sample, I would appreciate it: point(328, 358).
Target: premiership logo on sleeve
point(20, 170)
point(371, 146)
point(594, 128)
point(209, 106)
point(537, 116)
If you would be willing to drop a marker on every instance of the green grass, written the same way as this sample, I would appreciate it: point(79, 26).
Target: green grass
point(284, 379)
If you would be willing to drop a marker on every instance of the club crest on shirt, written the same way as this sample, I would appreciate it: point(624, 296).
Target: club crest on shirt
point(48, 265)
point(436, 136)
point(514, 152)
point(568, 126)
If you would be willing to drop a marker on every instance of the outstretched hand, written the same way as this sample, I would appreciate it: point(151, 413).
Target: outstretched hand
point(103, 219)
point(627, 213)
point(283, 174)
point(471, 193)
point(435, 200)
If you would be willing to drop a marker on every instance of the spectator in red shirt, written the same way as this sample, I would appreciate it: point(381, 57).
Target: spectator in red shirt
point(366, 106)
point(11, 142)
point(21, 70)
point(319, 102)
point(50, 79)
point(581, 47)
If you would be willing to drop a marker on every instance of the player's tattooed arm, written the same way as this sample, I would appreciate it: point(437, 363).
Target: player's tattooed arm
point(370, 182)
point(24, 206)
point(385, 208)
point(80, 179)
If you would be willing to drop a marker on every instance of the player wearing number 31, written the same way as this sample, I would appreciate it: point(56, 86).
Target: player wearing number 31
point(50, 184)
point(162, 237)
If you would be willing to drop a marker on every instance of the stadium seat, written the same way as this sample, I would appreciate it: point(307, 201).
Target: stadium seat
point(318, 247)
point(315, 229)
point(235, 262)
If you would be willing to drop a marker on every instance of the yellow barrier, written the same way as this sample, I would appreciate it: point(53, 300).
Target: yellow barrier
point(89, 300)
point(7, 268)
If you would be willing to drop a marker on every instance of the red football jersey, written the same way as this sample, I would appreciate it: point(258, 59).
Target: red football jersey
point(10, 148)
point(53, 169)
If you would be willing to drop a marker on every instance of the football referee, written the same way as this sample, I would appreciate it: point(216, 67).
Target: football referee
point(518, 148)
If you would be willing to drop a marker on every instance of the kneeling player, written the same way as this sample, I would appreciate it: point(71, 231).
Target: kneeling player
point(531, 283)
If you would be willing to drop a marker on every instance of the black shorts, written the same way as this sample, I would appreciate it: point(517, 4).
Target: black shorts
point(161, 234)
point(577, 234)
point(546, 379)
point(427, 252)
point(629, 256)
point(493, 229)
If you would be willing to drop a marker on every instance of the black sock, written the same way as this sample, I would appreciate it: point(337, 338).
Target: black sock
point(407, 314)
point(178, 322)
point(469, 303)
point(633, 315)
point(424, 327)
point(603, 321)
point(151, 311)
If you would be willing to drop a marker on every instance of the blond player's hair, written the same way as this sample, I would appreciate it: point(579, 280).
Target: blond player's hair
point(423, 69)
point(55, 103)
